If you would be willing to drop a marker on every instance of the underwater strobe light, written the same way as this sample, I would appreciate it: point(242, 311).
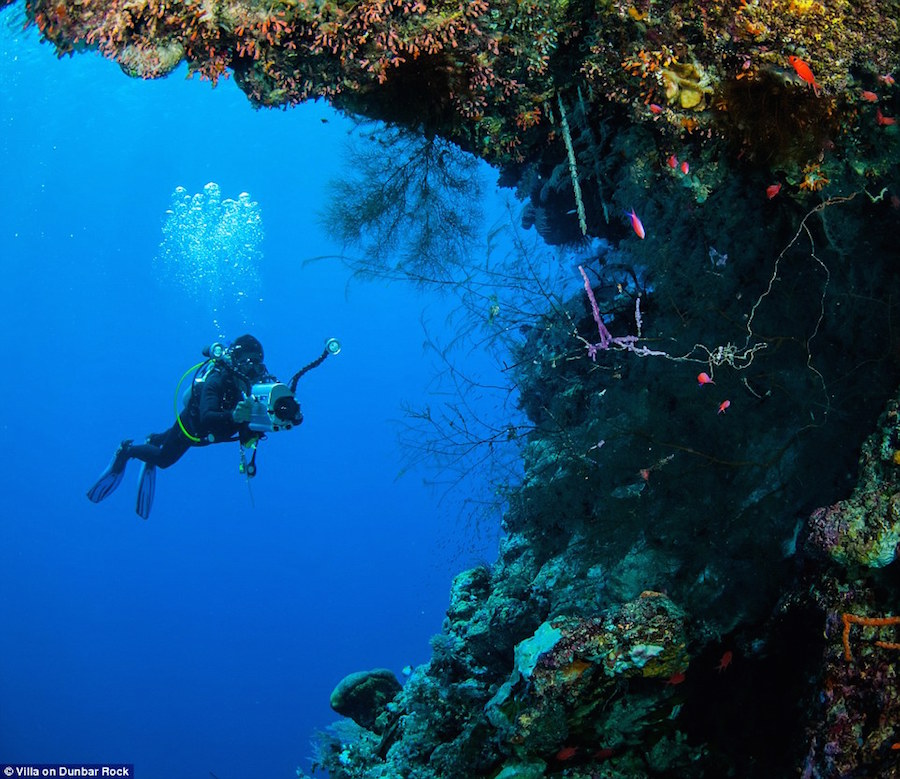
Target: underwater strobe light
point(333, 346)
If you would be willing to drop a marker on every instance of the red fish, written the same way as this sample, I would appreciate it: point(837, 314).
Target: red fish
point(567, 753)
point(726, 660)
point(636, 224)
point(676, 679)
point(803, 70)
point(883, 121)
point(723, 406)
point(887, 79)
point(672, 162)
point(685, 167)
point(654, 108)
point(772, 190)
point(704, 378)
point(869, 97)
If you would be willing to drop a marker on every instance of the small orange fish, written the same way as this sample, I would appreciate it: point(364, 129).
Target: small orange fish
point(704, 378)
point(772, 190)
point(676, 679)
point(654, 108)
point(645, 474)
point(883, 121)
point(636, 225)
point(895, 745)
point(887, 79)
point(726, 657)
point(803, 70)
point(685, 167)
point(567, 753)
point(869, 97)
point(723, 406)
point(672, 162)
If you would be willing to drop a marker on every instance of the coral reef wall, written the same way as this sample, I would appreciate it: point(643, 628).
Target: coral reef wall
point(687, 571)
point(787, 97)
point(498, 77)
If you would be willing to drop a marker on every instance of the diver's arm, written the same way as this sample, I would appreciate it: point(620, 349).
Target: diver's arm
point(213, 419)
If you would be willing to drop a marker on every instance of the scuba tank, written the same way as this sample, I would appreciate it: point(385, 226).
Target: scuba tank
point(202, 371)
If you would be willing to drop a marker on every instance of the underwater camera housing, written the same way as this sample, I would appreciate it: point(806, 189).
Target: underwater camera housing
point(274, 408)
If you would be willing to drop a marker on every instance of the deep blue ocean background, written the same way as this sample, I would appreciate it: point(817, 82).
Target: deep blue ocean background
point(209, 638)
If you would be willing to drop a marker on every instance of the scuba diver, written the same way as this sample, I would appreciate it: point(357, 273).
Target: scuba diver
point(232, 398)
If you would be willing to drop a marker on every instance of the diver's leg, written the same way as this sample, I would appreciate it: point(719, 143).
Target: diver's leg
point(162, 449)
point(174, 447)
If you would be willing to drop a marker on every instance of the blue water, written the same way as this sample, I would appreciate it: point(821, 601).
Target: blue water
point(208, 638)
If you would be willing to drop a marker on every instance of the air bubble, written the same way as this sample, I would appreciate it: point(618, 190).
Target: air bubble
point(212, 248)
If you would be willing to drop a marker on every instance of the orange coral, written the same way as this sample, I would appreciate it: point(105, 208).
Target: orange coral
point(575, 669)
point(853, 619)
point(813, 179)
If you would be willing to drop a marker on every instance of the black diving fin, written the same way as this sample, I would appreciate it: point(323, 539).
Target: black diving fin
point(111, 478)
point(146, 490)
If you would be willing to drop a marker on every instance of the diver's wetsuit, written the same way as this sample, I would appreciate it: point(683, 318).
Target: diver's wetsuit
point(207, 417)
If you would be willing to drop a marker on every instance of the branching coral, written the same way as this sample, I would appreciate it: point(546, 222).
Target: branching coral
point(855, 619)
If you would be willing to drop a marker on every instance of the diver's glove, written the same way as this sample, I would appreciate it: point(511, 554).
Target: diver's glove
point(242, 411)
